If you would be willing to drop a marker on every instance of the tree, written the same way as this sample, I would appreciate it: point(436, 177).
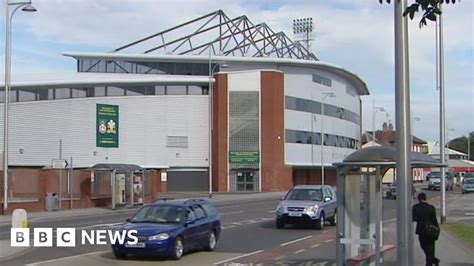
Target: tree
point(460, 144)
point(430, 8)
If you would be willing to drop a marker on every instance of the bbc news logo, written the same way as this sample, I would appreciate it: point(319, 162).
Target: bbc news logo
point(66, 237)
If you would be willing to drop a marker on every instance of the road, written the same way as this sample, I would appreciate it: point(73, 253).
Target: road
point(249, 237)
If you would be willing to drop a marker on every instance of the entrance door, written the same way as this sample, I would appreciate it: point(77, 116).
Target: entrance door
point(246, 180)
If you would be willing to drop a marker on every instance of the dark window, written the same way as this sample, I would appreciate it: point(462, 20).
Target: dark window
point(115, 91)
point(322, 80)
point(194, 90)
point(209, 209)
point(199, 212)
point(79, 93)
point(176, 90)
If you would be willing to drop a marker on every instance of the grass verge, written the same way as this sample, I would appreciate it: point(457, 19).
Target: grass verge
point(463, 231)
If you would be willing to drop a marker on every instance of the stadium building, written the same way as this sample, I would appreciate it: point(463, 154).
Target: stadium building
point(139, 120)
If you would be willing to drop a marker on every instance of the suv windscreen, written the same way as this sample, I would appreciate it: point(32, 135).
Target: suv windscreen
point(469, 181)
point(159, 214)
point(305, 194)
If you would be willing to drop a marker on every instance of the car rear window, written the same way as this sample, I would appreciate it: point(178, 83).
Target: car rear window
point(209, 209)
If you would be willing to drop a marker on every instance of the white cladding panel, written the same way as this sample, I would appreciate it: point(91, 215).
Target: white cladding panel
point(144, 123)
point(244, 81)
point(299, 83)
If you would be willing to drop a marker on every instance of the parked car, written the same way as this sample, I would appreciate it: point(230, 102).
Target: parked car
point(435, 181)
point(170, 228)
point(313, 204)
point(469, 175)
point(468, 185)
point(392, 191)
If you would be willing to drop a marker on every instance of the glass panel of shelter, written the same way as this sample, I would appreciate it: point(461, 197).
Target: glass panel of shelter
point(128, 189)
point(362, 210)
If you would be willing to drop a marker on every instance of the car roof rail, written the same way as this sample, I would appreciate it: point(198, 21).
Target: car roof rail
point(188, 201)
point(163, 199)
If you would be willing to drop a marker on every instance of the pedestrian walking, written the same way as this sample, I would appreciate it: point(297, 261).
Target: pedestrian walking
point(427, 228)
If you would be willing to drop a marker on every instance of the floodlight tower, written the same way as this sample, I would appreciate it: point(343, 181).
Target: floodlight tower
point(303, 27)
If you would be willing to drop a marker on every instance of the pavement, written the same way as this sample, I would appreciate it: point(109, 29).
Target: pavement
point(449, 249)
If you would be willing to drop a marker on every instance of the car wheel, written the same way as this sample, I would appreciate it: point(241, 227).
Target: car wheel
point(320, 222)
point(280, 224)
point(178, 250)
point(333, 220)
point(119, 255)
point(211, 242)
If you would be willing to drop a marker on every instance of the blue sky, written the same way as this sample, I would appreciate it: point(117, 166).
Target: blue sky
point(354, 34)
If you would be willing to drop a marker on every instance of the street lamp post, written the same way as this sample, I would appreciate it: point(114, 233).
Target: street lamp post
point(374, 111)
point(27, 7)
point(211, 73)
point(413, 119)
point(323, 97)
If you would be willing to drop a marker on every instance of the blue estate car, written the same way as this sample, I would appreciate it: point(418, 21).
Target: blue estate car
point(170, 228)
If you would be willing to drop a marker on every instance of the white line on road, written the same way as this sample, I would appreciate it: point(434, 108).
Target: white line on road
point(299, 251)
point(228, 213)
point(48, 262)
point(279, 258)
point(238, 257)
point(294, 241)
point(329, 240)
point(227, 227)
point(469, 213)
point(315, 246)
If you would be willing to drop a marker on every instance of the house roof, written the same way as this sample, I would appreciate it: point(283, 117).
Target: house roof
point(433, 148)
point(386, 137)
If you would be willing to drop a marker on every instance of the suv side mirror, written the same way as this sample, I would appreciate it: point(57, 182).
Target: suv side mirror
point(128, 220)
point(326, 199)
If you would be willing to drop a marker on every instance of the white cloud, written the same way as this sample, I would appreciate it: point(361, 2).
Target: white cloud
point(358, 35)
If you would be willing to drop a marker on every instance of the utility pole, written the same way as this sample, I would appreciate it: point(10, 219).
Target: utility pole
point(442, 112)
point(402, 118)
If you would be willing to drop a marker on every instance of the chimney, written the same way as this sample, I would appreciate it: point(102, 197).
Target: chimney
point(390, 127)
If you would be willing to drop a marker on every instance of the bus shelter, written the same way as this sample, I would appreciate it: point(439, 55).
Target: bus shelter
point(122, 183)
point(359, 205)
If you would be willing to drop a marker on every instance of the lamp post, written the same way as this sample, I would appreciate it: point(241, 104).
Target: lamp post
point(374, 111)
point(211, 73)
point(27, 7)
point(323, 97)
point(413, 119)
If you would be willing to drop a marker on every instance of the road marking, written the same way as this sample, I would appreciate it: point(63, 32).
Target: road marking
point(329, 240)
point(272, 211)
point(469, 213)
point(294, 241)
point(238, 257)
point(299, 251)
point(228, 213)
point(227, 227)
point(48, 262)
point(315, 246)
point(279, 258)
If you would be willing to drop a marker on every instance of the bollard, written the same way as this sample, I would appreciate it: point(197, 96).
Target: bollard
point(19, 218)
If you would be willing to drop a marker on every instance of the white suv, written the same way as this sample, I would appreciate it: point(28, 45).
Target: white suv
point(312, 204)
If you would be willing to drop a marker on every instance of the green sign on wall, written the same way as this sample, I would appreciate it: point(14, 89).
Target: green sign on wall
point(107, 126)
point(244, 157)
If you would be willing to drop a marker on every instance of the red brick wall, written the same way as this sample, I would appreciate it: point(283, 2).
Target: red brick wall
point(313, 177)
point(220, 137)
point(47, 180)
point(274, 174)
